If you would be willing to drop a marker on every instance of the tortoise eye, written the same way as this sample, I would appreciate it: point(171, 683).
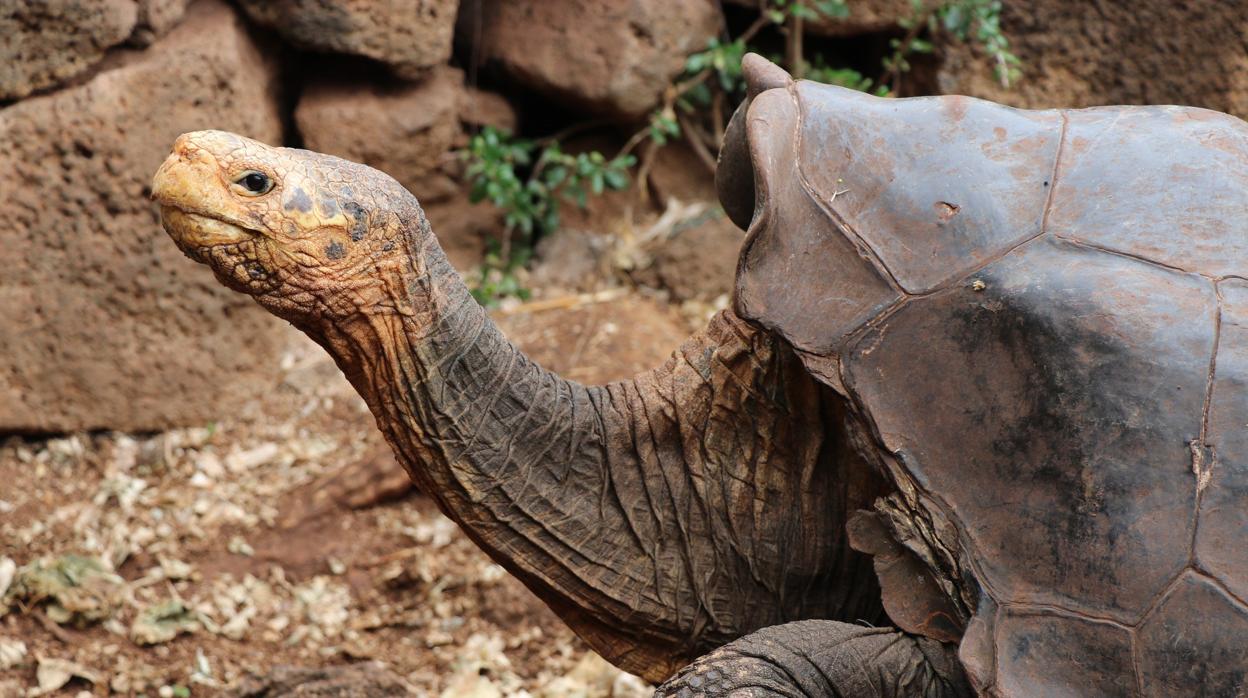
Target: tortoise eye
point(254, 183)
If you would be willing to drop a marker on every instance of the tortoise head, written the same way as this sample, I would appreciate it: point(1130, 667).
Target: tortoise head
point(303, 233)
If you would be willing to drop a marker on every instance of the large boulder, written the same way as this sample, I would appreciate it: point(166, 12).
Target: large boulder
point(410, 36)
point(155, 18)
point(410, 131)
point(405, 130)
point(1079, 54)
point(103, 324)
point(47, 42)
point(605, 56)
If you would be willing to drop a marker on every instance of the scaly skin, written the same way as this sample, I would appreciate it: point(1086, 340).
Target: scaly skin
point(660, 517)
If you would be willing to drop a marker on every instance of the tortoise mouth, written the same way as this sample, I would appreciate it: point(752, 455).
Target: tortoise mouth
point(199, 231)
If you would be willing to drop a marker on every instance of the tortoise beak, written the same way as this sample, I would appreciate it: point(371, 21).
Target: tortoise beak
point(192, 199)
point(180, 181)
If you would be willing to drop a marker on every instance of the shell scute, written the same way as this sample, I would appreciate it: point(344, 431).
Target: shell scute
point(1220, 548)
point(783, 279)
point(1051, 410)
point(1193, 644)
point(1044, 654)
point(935, 187)
point(1168, 184)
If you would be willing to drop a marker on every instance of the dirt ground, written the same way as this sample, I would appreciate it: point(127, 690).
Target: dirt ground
point(286, 536)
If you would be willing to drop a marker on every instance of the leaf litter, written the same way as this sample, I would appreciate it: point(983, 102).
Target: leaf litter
point(157, 564)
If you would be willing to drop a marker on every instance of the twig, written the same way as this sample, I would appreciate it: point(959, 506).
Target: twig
point(756, 27)
point(793, 45)
point(633, 141)
point(920, 19)
point(564, 302)
point(670, 95)
point(643, 170)
point(695, 141)
point(717, 118)
point(56, 630)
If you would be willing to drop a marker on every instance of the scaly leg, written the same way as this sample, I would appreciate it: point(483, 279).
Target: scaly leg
point(823, 658)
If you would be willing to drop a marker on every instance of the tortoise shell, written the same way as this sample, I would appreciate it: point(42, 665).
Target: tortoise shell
point(1041, 320)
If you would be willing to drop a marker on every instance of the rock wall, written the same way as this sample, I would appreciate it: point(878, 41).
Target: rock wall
point(104, 326)
point(1077, 53)
point(604, 56)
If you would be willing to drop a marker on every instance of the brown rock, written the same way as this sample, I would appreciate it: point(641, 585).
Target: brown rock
point(678, 173)
point(609, 57)
point(463, 228)
point(572, 259)
point(410, 36)
point(1082, 54)
point(480, 108)
point(406, 131)
point(102, 323)
point(156, 17)
point(44, 43)
point(699, 262)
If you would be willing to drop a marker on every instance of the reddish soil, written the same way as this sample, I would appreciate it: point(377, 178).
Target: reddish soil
point(294, 540)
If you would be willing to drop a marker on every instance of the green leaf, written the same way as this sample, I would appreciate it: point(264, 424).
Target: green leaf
point(616, 179)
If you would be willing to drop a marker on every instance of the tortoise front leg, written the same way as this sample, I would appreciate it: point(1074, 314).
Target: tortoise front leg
point(823, 658)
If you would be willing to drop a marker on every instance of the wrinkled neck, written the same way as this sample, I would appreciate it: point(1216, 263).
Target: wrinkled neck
point(659, 516)
point(409, 351)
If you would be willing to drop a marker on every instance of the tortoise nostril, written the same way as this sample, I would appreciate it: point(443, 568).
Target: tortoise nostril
point(186, 149)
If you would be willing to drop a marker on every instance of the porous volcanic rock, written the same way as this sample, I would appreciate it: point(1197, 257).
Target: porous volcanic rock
point(410, 131)
point(44, 43)
point(1081, 54)
point(103, 324)
point(405, 130)
point(479, 108)
point(157, 17)
point(613, 58)
point(410, 36)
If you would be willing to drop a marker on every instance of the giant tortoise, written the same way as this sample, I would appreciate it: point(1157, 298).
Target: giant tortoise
point(982, 381)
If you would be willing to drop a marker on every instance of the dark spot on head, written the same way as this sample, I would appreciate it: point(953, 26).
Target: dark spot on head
point(299, 201)
point(329, 205)
point(1046, 184)
point(335, 251)
point(256, 271)
point(388, 246)
point(360, 220)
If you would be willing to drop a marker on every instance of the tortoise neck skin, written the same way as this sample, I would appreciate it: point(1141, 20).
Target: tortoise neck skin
point(660, 517)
